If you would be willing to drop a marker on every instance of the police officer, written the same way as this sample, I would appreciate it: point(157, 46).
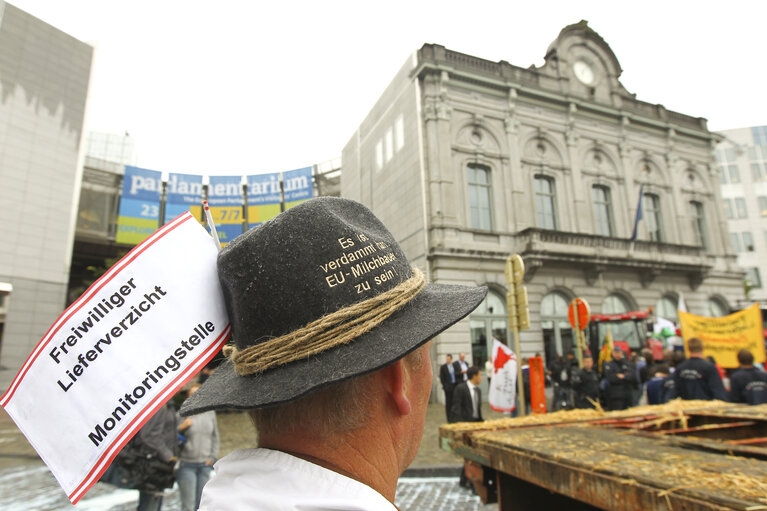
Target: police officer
point(586, 384)
point(748, 384)
point(696, 377)
point(621, 381)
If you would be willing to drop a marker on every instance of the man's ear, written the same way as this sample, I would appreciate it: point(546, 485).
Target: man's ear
point(397, 379)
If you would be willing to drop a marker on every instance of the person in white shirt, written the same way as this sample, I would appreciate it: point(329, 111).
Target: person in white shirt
point(331, 329)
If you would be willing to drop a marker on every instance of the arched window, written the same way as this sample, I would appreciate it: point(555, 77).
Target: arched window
point(603, 210)
point(545, 202)
point(615, 304)
point(652, 214)
point(480, 205)
point(715, 308)
point(666, 308)
point(488, 321)
point(698, 223)
point(557, 333)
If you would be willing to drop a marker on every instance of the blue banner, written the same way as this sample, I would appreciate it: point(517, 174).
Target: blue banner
point(183, 193)
point(264, 198)
point(139, 205)
point(298, 186)
point(225, 200)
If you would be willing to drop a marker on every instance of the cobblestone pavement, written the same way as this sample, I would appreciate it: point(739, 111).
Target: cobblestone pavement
point(27, 484)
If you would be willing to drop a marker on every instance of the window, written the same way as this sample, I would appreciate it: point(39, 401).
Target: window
point(666, 308)
point(652, 213)
point(748, 242)
point(757, 172)
point(389, 145)
point(379, 155)
point(728, 211)
point(733, 174)
point(399, 133)
point(760, 135)
point(735, 240)
point(698, 223)
point(545, 202)
point(716, 309)
point(762, 201)
point(615, 304)
point(487, 322)
point(740, 208)
point(728, 170)
point(479, 197)
point(603, 216)
point(558, 338)
point(753, 278)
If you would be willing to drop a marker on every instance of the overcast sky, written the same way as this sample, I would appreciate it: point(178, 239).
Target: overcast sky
point(241, 87)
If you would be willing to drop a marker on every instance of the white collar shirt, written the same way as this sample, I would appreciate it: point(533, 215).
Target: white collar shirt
point(473, 394)
point(268, 480)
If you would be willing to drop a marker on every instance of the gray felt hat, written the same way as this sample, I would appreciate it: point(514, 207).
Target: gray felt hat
point(317, 258)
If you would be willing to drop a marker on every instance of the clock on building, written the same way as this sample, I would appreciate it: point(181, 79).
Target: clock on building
point(583, 72)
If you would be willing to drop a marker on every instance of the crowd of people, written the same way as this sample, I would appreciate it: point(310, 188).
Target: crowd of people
point(168, 449)
point(630, 379)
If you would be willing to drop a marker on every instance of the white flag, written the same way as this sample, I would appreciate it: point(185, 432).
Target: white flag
point(119, 352)
point(503, 386)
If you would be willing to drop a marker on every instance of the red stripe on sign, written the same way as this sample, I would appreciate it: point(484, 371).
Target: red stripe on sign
point(87, 295)
point(113, 449)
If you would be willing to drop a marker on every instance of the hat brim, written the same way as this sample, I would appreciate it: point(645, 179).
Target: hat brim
point(434, 309)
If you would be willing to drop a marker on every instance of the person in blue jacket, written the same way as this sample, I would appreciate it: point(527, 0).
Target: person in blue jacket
point(748, 384)
point(696, 377)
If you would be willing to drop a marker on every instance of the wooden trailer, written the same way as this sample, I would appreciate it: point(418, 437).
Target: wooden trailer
point(685, 455)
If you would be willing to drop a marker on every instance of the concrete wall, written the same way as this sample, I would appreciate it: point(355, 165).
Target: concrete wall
point(44, 76)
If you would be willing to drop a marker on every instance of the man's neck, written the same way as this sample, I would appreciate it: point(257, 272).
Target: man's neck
point(361, 464)
point(373, 455)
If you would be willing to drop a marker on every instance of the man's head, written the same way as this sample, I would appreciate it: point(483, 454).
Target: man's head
point(695, 346)
point(745, 358)
point(661, 370)
point(462, 356)
point(320, 294)
point(617, 353)
point(448, 358)
point(588, 362)
point(474, 375)
point(330, 327)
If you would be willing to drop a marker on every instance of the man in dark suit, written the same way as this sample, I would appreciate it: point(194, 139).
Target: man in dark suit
point(461, 366)
point(467, 406)
point(448, 380)
point(467, 398)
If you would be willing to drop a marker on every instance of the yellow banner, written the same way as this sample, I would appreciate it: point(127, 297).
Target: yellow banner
point(724, 337)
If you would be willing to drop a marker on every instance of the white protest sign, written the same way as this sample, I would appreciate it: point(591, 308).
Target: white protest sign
point(503, 386)
point(117, 354)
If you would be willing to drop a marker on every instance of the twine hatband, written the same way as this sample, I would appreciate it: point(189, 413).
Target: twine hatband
point(334, 329)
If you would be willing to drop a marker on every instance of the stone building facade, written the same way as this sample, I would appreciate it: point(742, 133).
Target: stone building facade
point(468, 161)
